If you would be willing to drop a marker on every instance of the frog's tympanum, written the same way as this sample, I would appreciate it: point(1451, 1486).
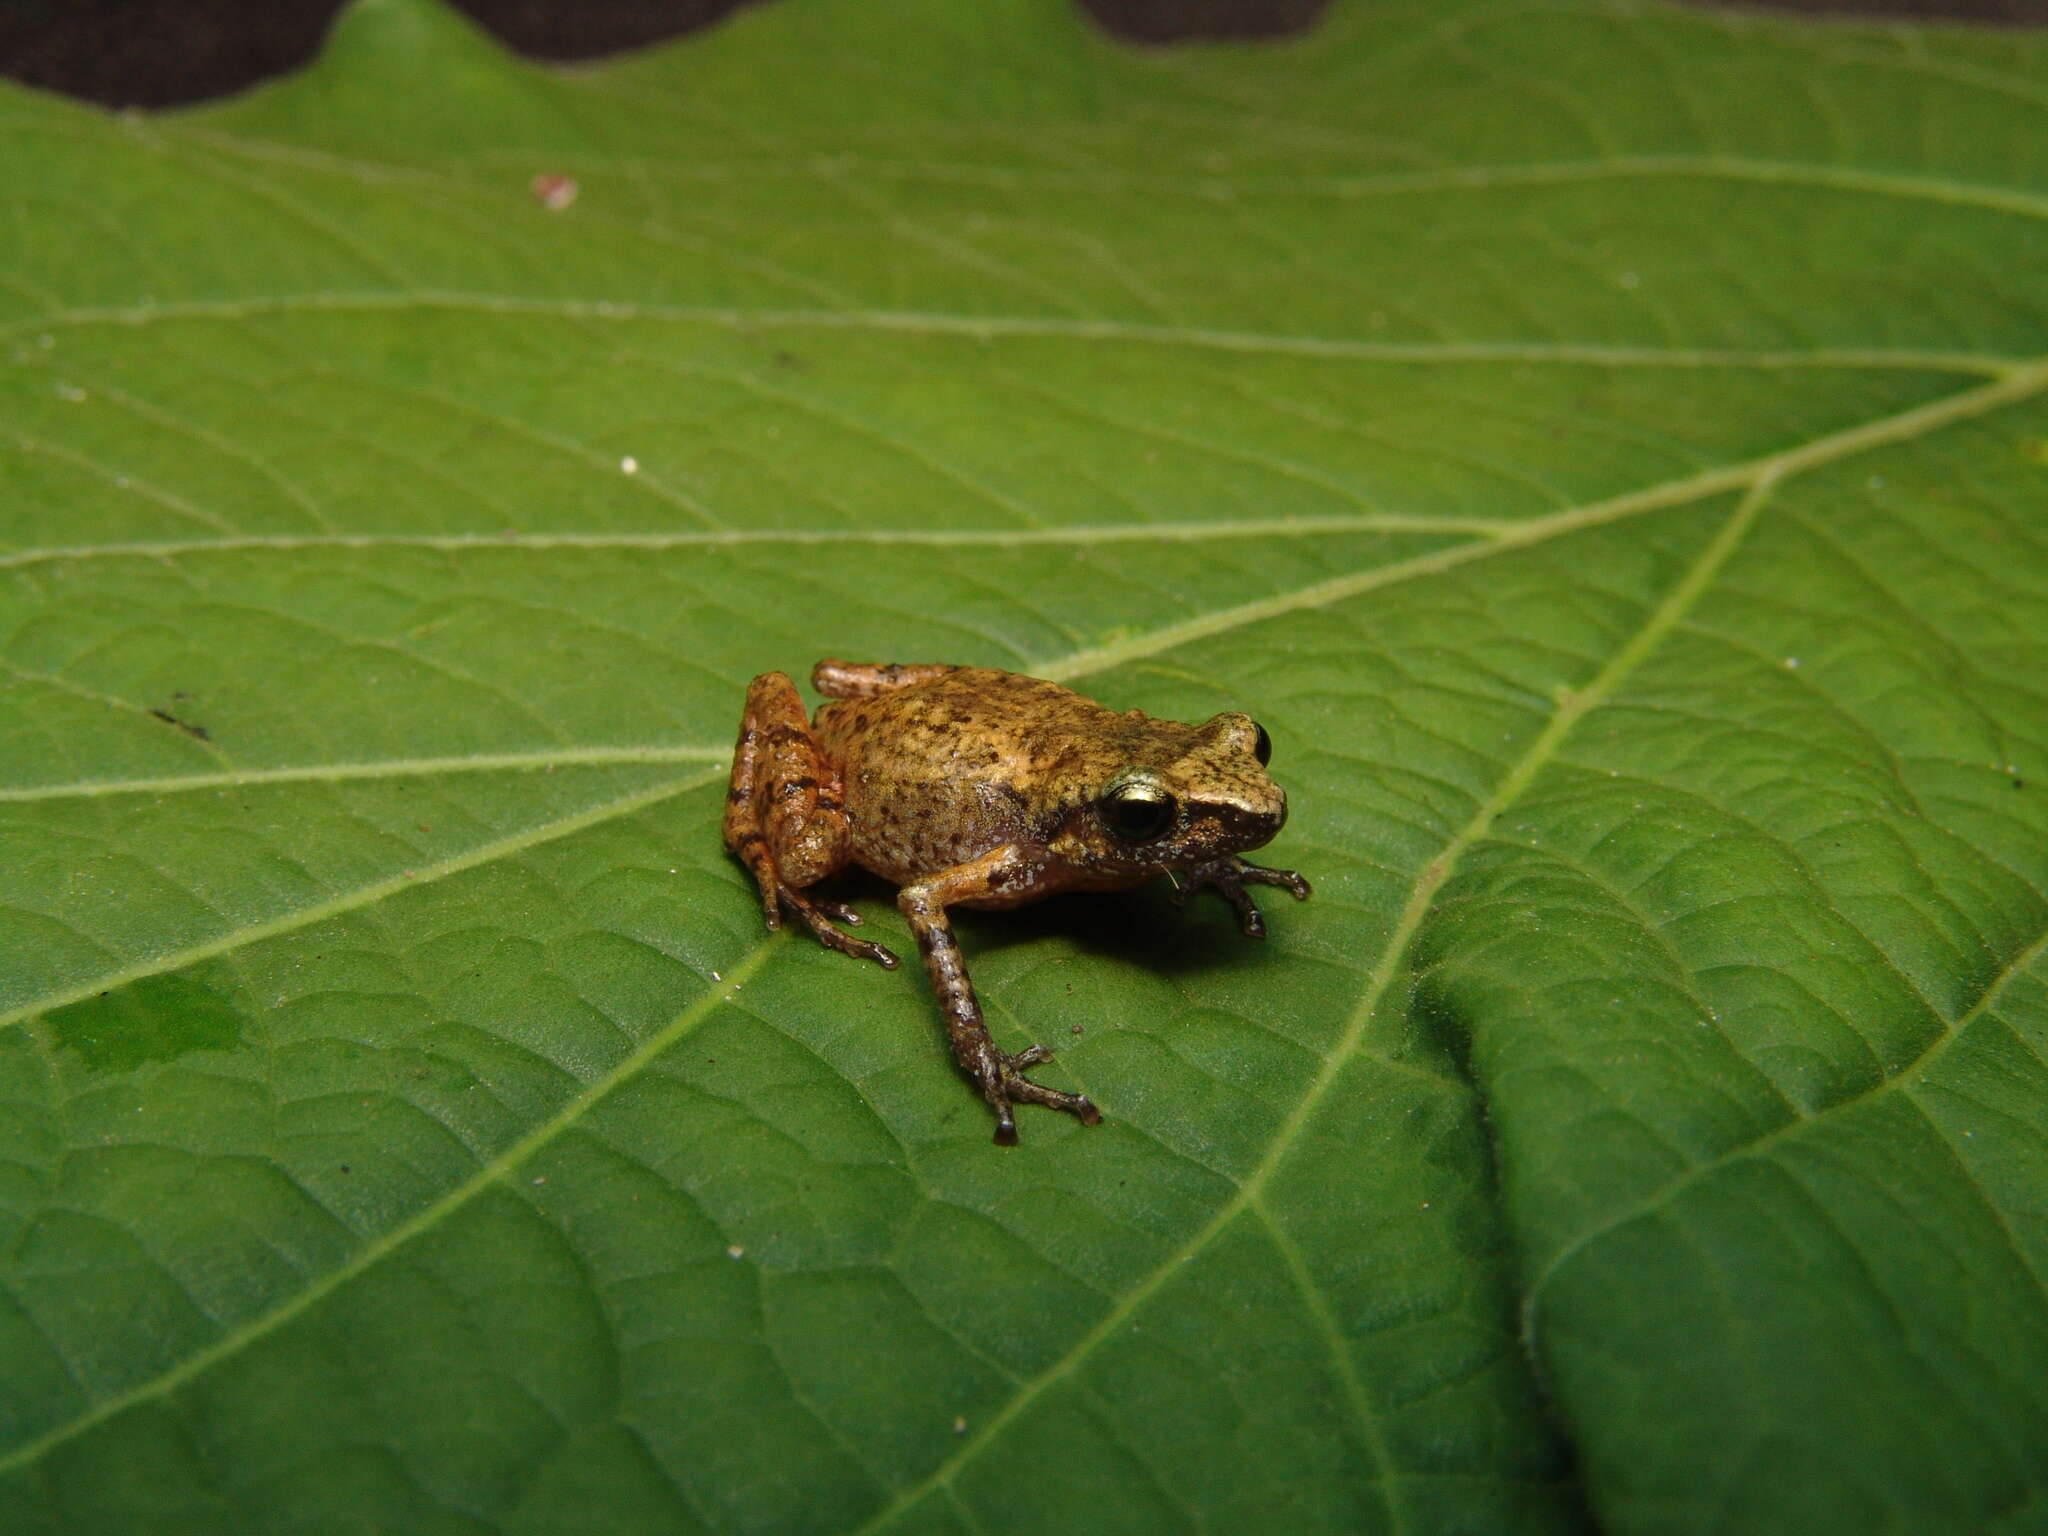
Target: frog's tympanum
point(970, 787)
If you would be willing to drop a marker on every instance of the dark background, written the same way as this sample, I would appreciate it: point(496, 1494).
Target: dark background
point(152, 53)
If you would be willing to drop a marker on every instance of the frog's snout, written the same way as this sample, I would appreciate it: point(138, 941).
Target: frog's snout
point(1260, 829)
point(1275, 818)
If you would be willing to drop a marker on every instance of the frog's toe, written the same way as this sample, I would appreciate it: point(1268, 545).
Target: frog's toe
point(860, 949)
point(863, 949)
point(1287, 879)
point(1013, 1087)
point(818, 916)
point(1228, 877)
point(1250, 921)
point(1004, 1084)
point(1082, 1108)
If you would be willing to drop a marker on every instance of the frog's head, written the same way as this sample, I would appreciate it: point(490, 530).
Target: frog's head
point(1209, 795)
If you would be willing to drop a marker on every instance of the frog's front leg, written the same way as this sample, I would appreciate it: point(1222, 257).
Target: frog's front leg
point(785, 816)
point(998, 1074)
point(1230, 875)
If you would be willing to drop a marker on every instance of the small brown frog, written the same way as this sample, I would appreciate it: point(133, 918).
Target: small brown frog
point(971, 787)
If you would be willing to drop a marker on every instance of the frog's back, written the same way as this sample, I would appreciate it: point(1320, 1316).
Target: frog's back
point(944, 770)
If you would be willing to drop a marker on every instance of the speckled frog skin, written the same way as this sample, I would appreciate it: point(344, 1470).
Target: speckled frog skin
point(972, 787)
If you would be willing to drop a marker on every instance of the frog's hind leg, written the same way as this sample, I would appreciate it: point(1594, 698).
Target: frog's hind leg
point(785, 815)
point(865, 679)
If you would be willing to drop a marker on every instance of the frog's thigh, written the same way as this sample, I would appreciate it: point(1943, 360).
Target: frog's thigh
point(785, 800)
point(865, 679)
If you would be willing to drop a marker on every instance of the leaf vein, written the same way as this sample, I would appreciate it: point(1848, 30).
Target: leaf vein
point(984, 327)
point(488, 1174)
point(360, 896)
point(2022, 962)
point(1422, 895)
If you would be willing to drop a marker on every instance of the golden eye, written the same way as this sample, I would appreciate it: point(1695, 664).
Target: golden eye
point(1138, 813)
point(1262, 749)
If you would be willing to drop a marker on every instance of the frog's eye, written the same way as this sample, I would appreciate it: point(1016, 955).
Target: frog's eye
point(1138, 813)
point(1262, 749)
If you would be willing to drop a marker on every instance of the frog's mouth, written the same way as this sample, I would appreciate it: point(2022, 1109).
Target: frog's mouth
point(1239, 828)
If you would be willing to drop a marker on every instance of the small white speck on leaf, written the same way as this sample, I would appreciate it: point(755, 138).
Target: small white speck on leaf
point(629, 465)
point(735, 1251)
point(70, 392)
point(959, 1423)
point(1792, 662)
point(542, 1179)
point(716, 977)
point(553, 191)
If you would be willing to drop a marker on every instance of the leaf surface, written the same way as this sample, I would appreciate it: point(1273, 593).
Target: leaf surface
point(1603, 444)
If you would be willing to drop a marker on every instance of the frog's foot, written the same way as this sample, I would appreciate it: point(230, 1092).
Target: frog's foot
point(1003, 1083)
point(1229, 876)
point(823, 919)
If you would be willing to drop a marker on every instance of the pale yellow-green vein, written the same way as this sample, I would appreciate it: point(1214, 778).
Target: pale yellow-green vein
point(389, 1241)
point(359, 896)
point(1422, 893)
point(386, 768)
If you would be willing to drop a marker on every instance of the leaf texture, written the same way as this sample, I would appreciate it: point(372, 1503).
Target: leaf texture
point(1602, 443)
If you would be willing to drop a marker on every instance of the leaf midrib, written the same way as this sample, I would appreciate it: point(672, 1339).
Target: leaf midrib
point(1422, 893)
point(1758, 478)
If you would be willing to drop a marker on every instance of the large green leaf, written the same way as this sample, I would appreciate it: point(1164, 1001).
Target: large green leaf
point(1602, 443)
